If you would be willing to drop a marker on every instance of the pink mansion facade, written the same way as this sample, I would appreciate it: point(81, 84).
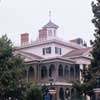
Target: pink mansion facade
point(50, 59)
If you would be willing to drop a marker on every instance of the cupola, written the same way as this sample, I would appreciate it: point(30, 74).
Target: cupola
point(48, 31)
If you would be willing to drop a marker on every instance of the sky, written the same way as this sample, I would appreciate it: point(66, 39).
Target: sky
point(72, 16)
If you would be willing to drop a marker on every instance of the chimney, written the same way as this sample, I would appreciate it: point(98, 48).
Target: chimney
point(24, 38)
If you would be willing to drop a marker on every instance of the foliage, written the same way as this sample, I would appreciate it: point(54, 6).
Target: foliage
point(93, 71)
point(82, 88)
point(95, 63)
point(34, 93)
point(11, 70)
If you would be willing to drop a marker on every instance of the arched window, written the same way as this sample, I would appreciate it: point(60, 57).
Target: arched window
point(60, 70)
point(43, 72)
point(51, 70)
point(61, 94)
point(77, 71)
point(66, 71)
point(72, 72)
point(31, 73)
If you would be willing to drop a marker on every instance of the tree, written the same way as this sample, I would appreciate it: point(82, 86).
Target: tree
point(34, 93)
point(11, 70)
point(95, 63)
point(93, 71)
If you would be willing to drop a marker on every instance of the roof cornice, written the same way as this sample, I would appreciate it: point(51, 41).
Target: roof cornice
point(38, 43)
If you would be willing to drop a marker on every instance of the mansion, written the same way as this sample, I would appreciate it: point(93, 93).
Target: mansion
point(52, 61)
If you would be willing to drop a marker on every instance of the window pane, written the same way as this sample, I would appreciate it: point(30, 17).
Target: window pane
point(48, 50)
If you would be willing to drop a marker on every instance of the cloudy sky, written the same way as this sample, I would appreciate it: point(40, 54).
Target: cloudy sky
point(72, 16)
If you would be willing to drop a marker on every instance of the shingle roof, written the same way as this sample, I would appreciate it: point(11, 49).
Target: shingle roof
point(78, 52)
point(50, 24)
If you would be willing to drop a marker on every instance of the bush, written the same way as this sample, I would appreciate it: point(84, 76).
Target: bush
point(34, 93)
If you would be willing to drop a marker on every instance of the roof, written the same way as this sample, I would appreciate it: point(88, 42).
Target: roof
point(37, 43)
point(50, 24)
point(31, 55)
point(77, 52)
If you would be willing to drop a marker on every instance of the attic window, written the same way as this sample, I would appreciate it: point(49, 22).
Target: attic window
point(47, 50)
point(58, 50)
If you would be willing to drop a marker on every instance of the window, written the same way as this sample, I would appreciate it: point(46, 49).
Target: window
point(50, 32)
point(47, 50)
point(72, 72)
point(51, 70)
point(60, 71)
point(43, 72)
point(77, 71)
point(58, 50)
point(66, 71)
point(31, 72)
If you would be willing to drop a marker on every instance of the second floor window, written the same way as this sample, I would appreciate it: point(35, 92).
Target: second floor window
point(58, 50)
point(47, 50)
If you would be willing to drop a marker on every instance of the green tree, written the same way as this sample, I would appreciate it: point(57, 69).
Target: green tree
point(34, 93)
point(93, 71)
point(11, 70)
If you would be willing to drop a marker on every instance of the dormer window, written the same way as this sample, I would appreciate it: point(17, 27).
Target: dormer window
point(58, 50)
point(47, 50)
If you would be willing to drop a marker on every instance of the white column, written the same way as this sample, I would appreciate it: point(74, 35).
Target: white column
point(81, 68)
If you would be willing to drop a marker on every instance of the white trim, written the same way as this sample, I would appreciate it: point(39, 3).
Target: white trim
point(78, 57)
point(58, 59)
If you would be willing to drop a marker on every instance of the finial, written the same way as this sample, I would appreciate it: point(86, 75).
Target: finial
point(49, 15)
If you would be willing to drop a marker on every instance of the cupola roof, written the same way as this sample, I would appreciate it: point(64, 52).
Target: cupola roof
point(50, 24)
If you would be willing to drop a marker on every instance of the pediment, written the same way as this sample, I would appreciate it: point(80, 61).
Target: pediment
point(28, 56)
